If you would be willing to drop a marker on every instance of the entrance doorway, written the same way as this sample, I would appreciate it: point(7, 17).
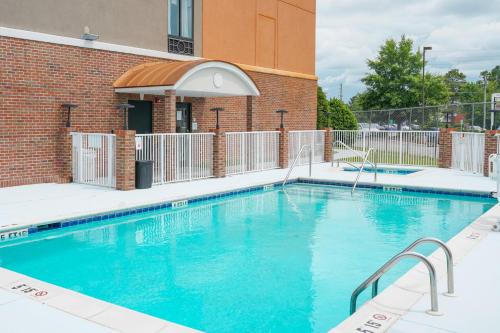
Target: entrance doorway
point(140, 118)
point(183, 118)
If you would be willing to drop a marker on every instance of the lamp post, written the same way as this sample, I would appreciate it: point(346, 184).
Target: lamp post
point(426, 48)
point(125, 107)
point(485, 82)
point(69, 106)
point(282, 113)
point(217, 110)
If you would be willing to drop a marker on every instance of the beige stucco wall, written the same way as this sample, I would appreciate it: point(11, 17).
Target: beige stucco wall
point(138, 23)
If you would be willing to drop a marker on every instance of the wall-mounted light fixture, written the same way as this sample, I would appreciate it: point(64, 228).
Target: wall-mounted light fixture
point(69, 106)
point(217, 110)
point(125, 107)
point(88, 36)
point(282, 113)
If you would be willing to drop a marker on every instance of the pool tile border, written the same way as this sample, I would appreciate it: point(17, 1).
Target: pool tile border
point(69, 222)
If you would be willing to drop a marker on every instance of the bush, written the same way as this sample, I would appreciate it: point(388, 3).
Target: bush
point(341, 117)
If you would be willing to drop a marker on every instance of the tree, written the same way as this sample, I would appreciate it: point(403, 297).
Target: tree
point(395, 82)
point(342, 117)
point(323, 109)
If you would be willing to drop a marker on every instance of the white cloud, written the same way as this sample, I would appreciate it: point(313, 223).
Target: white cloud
point(464, 34)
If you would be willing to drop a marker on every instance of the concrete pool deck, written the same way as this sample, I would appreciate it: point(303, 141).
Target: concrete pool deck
point(38, 204)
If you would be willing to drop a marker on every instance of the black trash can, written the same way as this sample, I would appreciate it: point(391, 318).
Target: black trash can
point(143, 174)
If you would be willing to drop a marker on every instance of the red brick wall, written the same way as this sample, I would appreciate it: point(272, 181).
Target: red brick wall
point(445, 147)
point(36, 78)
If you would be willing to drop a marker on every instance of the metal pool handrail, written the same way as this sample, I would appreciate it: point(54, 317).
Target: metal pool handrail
point(449, 263)
point(349, 148)
point(295, 161)
point(387, 266)
point(361, 170)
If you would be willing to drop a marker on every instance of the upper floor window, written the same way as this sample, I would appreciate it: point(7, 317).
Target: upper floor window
point(180, 26)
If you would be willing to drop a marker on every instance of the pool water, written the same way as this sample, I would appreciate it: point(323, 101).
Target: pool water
point(265, 261)
point(384, 170)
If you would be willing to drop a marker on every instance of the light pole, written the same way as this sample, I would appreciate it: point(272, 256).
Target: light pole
point(485, 81)
point(426, 48)
point(125, 107)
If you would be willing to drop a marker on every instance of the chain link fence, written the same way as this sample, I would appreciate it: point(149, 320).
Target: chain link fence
point(470, 117)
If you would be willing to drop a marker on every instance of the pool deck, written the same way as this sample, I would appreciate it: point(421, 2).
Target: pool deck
point(62, 310)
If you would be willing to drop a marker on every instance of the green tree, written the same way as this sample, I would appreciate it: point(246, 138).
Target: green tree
point(341, 117)
point(395, 81)
point(323, 109)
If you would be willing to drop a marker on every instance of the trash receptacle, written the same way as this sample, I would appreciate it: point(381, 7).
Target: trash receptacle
point(143, 174)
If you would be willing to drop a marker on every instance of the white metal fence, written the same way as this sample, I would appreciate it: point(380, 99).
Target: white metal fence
point(93, 159)
point(420, 148)
point(468, 152)
point(251, 151)
point(177, 157)
point(297, 139)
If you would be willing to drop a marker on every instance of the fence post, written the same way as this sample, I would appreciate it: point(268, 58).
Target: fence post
point(125, 160)
point(401, 148)
point(65, 154)
point(283, 148)
point(490, 147)
point(445, 147)
point(328, 144)
point(219, 153)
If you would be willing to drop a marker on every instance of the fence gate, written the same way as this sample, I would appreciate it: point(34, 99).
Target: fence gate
point(468, 152)
point(93, 160)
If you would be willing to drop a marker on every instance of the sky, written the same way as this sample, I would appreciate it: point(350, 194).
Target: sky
point(464, 34)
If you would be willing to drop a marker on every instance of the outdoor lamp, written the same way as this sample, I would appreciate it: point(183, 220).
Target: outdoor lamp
point(216, 110)
point(69, 106)
point(282, 112)
point(448, 118)
point(125, 107)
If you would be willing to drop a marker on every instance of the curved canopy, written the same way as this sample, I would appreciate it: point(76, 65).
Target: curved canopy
point(200, 78)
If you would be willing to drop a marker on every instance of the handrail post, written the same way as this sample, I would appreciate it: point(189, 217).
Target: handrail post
point(295, 161)
point(310, 160)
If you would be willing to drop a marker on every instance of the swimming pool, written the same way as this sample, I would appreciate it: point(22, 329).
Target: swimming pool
point(391, 171)
point(265, 261)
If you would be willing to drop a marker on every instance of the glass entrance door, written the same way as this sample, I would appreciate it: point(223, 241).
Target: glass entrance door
point(183, 118)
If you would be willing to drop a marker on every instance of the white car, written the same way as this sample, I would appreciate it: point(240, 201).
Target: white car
point(365, 127)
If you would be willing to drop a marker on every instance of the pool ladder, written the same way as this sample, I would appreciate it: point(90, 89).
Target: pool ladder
point(407, 253)
point(360, 169)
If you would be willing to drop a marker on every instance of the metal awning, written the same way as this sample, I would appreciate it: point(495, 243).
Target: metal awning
point(200, 78)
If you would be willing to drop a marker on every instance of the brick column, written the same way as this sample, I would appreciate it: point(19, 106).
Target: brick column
point(490, 147)
point(283, 148)
point(125, 160)
point(65, 154)
point(219, 153)
point(250, 108)
point(169, 119)
point(445, 147)
point(328, 144)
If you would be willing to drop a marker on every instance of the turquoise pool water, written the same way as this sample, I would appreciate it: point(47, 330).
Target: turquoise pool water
point(274, 261)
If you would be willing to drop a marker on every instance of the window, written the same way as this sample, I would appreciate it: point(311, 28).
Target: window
point(180, 26)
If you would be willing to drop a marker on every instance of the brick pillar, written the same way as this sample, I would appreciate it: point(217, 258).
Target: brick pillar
point(283, 148)
point(445, 147)
point(125, 160)
point(65, 154)
point(250, 108)
point(169, 120)
point(219, 153)
point(490, 147)
point(328, 144)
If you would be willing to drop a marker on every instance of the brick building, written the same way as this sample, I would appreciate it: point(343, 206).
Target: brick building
point(174, 60)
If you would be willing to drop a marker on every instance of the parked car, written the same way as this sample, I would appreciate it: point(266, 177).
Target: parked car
point(365, 127)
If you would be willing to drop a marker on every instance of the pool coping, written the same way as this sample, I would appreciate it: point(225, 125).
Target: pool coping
point(383, 311)
point(114, 316)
